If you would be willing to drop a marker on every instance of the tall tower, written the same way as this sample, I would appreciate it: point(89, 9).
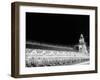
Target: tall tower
point(82, 45)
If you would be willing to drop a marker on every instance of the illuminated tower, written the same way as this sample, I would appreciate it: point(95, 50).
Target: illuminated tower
point(82, 45)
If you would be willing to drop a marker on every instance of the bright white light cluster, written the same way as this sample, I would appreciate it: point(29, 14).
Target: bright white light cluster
point(40, 57)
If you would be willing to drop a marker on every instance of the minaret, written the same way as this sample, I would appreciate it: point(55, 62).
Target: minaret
point(82, 45)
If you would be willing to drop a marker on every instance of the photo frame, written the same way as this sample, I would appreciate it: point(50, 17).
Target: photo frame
point(53, 39)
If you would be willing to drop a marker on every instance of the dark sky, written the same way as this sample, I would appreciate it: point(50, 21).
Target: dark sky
point(56, 28)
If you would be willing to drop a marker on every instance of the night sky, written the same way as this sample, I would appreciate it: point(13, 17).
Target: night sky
point(57, 29)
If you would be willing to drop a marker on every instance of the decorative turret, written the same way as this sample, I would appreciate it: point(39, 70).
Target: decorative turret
point(82, 45)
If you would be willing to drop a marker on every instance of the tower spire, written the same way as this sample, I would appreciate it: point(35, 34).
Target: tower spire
point(82, 44)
